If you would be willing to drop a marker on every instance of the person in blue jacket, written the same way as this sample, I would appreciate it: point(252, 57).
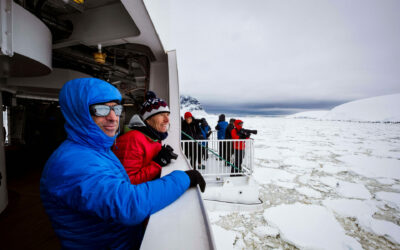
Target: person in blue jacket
point(221, 127)
point(206, 132)
point(85, 190)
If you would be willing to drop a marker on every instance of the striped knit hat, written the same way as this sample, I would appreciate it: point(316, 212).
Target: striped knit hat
point(153, 106)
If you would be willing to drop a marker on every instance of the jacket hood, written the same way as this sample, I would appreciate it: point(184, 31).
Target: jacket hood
point(136, 121)
point(75, 98)
point(237, 124)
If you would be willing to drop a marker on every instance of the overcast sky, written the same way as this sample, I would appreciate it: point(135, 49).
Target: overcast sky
point(282, 53)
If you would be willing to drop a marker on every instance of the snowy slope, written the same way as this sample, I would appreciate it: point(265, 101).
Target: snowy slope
point(375, 109)
point(192, 105)
point(317, 114)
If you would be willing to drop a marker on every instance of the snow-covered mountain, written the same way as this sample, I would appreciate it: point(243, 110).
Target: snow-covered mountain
point(375, 109)
point(192, 105)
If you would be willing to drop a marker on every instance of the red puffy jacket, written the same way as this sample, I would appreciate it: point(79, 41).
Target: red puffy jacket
point(234, 133)
point(136, 152)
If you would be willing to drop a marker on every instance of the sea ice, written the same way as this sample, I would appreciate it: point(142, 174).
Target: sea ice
point(270, 175)
point(309, 192)
point(372, 167)
point(309, 226)
point(351, 208)
point(363, 211)
point(262, 231)
point(386, 181)
point(224, 239)
point(392, 199)
point(387, 229)
point(352, 190)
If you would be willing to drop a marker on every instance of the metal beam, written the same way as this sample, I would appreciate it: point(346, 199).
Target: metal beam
point(3, 182)
point(6, 27)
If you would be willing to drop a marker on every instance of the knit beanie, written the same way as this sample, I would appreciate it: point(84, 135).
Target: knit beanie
point(153, 106)
point(188, 114)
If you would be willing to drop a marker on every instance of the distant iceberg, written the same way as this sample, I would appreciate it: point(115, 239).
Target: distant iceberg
point(191, 104)
point(376, 109)
point(316, 114)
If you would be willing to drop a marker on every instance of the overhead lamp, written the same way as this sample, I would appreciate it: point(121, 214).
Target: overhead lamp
point(99, 57)
point(79, 1)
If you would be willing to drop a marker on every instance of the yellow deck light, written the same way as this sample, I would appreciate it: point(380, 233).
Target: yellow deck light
point(100, 57)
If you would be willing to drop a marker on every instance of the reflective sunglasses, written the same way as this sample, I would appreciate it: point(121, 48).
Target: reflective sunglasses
point(104, 110)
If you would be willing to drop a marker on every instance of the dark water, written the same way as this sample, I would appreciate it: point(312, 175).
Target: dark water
point(282, 109)
point(248, 112)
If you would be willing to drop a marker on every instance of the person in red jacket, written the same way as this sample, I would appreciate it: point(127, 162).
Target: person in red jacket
point(140, 150)
point(238, 146)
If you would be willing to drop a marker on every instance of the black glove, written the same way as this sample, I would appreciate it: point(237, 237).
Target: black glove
point(243, 134)
point(196, 179)
point(164, 156)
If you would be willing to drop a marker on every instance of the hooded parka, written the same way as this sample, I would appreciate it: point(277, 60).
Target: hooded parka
point(235, 135)
point(136, 150)
point(84, 188)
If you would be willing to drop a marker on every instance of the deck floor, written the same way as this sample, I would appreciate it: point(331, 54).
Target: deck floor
point(24, 223)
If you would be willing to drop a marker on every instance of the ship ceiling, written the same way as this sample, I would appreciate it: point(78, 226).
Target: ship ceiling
point(79, 29)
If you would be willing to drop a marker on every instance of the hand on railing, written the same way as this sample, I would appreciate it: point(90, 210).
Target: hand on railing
point(196, 179)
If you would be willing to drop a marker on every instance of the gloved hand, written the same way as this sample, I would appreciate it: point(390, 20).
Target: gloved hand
point(196, 179)
point(163, 158)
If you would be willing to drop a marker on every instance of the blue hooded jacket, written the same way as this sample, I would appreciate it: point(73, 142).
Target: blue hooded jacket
point(221, 127)
point(85, 189)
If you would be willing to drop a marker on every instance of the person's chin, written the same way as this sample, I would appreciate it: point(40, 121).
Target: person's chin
point(110, 132)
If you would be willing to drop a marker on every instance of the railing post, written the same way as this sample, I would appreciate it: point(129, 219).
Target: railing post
point(224, 156)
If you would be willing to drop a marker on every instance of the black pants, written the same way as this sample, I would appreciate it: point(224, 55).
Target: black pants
point(193, 152)
point(229, 152)
point(239, 155)
point(222, 149)
point(204, 151)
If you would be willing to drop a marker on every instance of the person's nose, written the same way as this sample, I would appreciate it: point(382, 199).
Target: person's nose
point(112, 116)
point(166, 119)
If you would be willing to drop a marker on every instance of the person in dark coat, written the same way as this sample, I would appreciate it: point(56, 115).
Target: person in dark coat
point(192, 131)
point(221, 127)
point(229, 144)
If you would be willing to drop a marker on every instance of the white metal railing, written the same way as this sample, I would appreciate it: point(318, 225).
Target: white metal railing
point(220, 158)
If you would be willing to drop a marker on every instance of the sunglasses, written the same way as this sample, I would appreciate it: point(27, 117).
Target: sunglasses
point(104, 110)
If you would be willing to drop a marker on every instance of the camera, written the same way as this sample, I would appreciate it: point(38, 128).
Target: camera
point(170, 151)
point(245, 133)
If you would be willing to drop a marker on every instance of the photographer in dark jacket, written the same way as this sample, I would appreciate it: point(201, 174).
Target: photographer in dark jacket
point(229, 144)
point(192, 149)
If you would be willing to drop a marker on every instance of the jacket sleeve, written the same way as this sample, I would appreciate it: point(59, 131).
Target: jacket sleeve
point(131, 154)
point(209, 132)
point(199, 134)
point(234, 134)
point(217, 127)
point(96, 190)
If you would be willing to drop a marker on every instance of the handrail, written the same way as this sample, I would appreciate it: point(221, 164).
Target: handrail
point(235, 157)
point(184, 224)
point(202, 143)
